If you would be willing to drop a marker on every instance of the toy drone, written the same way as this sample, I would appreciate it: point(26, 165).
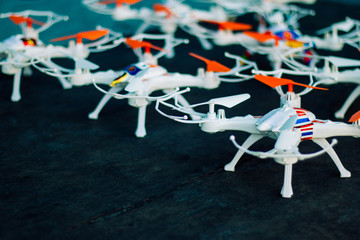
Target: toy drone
point(17, 50)
point(141, 79)
point(120, 10)
point(288, 125)
point(21, 50)
point(168, 17)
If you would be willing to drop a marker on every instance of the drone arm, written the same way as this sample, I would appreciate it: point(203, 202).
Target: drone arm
point(326, 129)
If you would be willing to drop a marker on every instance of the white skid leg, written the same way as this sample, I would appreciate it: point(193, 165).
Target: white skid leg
point(142, 28)
point(287, 190)
point(205, 43)
point(95, 114)
point(253, 138)
point(27, 71)
point(16, 96)
point(351, 98)
point(64, 83)
point(140, 130)
point(325, 145)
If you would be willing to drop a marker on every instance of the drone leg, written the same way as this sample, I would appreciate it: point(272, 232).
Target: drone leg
point(27, 71)
point(277, 65)
point(205, 43)
point(286, 190)
point(253, 138)
point(142, 28)
point(325, 145)
point(351, 98)
point(140, 130)
point(64, 83)
point(95, 114)
point(16, 96)
point(170, 52)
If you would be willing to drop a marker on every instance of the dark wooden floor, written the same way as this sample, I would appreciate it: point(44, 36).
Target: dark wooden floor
point(64, 176)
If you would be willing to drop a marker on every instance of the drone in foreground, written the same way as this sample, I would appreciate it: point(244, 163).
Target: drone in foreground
point(141, 79)
point(19, 51)
point(289, 125)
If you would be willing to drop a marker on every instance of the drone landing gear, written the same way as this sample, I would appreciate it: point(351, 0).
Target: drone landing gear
point(341, 112)
point(16, 96)
point(253, 138)
point(95, 114)
point(27, 71)
point(64, 83)
point(325, 145)
point(287, 191)
point(140, 130)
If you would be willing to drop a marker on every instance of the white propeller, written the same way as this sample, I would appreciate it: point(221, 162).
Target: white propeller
point(343, 26)
point(229, 101)
point(343, 62)
point(81, 63)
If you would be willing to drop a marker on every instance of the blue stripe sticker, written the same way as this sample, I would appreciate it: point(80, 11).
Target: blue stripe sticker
point(302, 120)
point(306, 133)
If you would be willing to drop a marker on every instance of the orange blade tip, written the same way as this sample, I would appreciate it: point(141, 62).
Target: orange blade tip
point(355, 117)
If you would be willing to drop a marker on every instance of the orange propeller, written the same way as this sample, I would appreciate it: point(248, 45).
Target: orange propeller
point(28, 20)
point(212, 66)
point(90, 35)
point(275, 82)
point(162, 8)
point(355, 117)
point(263, 37)
point(142, 44)
point(119, 2)
point(228, 25)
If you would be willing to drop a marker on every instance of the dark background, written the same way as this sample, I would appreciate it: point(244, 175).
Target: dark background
point(64, 176)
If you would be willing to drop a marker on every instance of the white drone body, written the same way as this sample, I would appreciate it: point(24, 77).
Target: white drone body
point(140, 80)
point(288, 125)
